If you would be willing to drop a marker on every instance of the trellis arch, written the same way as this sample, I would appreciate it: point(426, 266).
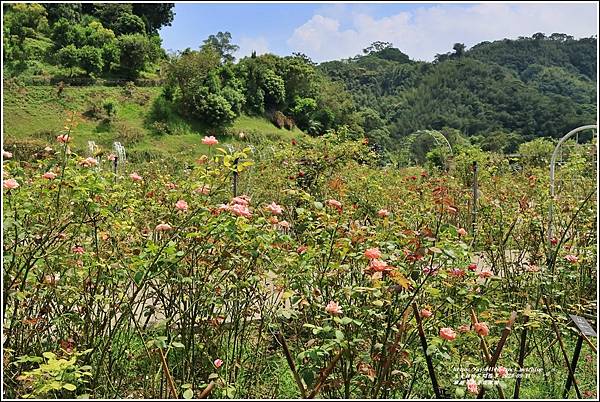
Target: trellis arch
point(557, 150)
point(438, 137)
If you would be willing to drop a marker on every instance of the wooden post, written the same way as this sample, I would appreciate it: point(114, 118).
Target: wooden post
point(235, 177)
point(434, 382)
point(291, 363)
point(521, 356)
point(475, 195)
point(562, 348)
point(573, 365)
point(501, 342)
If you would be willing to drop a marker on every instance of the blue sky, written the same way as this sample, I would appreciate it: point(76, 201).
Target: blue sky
point(332, 31)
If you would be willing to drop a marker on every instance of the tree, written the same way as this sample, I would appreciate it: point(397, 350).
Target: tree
point(68, 57)
point(459, 49)
point(129, 24)
point(154, 15)
point(109, 13)
point(221, 42)
point(134, 53)
point(69, 11)
point(90, 59)
point(377, 46)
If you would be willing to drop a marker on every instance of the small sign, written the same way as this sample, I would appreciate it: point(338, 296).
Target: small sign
point(583, 325)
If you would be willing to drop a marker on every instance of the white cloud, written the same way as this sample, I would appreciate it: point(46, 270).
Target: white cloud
point(247, 45)
point(429, 30)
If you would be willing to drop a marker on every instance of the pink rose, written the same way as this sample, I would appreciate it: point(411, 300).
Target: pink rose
point(335, 204)
point(457, 273)
point(49, 175)
point(481, 328)
point(63, 138)
point(571, 258)
point(447, 334)
point(461, 232)
point(205, 190)
point(241, 210)
point(111, 157)
point(383, 213)
point(472, 386)
point(378, 265)
point(89, 162)
point(372, 253)
point(502, 371)
point(333, 308)
point(486, 273)
point(464, 328)
point(210, 141)
point(274, 208)
point(426, 313)
point(241, 200)
point(218, 363)
point(163, 227)
point(181, 205)
point(301, 249)
point(284, 224)
point(10, 184)
point(78, 250)
point(171, 186)
point(135, 177)
point(472, 267)
point(6, 154)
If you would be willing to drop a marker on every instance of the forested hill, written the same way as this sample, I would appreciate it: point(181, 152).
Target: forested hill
point(501, 93)
point(498, 94)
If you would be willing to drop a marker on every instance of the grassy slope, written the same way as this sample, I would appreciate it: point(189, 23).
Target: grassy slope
point(36, 114)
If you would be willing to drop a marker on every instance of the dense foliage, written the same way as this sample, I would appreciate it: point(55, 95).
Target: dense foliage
point(92, 39)
point(153, 281)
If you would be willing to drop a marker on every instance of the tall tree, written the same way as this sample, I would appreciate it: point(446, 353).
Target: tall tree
point(155, 16)
point(221, 42)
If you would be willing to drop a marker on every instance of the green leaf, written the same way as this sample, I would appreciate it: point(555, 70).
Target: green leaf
point(138, 277)
point(188, 394)
point(177, 345)
point(339, 335)
point(69, 387)
point(49, 355)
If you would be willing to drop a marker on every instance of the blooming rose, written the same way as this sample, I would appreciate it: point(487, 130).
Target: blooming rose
point(485, 273)
point(78, 250)
point(112, 157)
point(472, 266)
point(372, 253)
point(571, 258)
point(49, 175)
point(447, 334)
point(274, 208)
point(163, 227)
point(502, 371)
point(63, 138)
point(241, 210)
point(472, 386)
point(210, 141)
point(383, 213)
point(284, 224)
point(301, 249)
point(457, 273)
point(426, 313)
point(481, 328)
point(89, 162)
point(333, 308)
point(461, 232)
point(6, 154)
point(464, 328)
point(181, 205)
point(378, 265)
point(203, 190)
point(135, 177)
point(241, 200)
point(218, 363)
point(335, 204)
point(10, 184)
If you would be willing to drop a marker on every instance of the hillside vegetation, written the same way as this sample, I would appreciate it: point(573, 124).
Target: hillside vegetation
point(496, 95)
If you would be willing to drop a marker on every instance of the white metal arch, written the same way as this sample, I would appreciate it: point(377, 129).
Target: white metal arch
point(567, 136)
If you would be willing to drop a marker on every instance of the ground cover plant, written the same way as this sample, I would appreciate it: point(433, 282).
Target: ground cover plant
point(306, 269)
